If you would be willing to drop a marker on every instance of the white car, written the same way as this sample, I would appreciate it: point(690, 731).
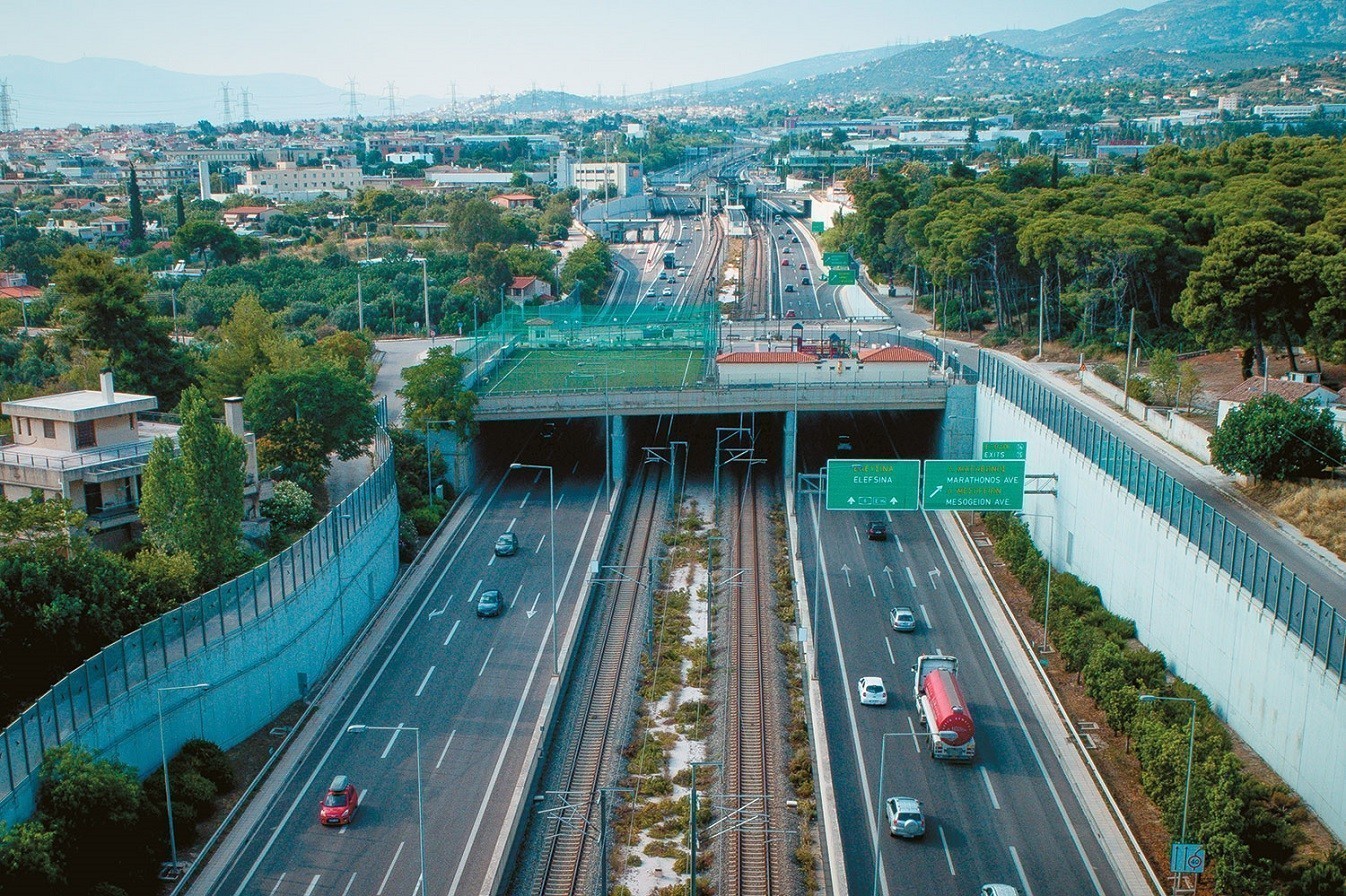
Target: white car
point(872, 691)
point(906, 817)
point(997, 890)
point(668, 290)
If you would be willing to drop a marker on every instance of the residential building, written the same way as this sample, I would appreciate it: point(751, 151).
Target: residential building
point(1308, 390)
point(248, 217)
point(289, 182)
point(521, 289)
point(515, 200)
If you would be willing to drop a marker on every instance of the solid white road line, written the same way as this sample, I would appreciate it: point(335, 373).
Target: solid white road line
point(485, 661)
point(313, 885)
point(900, 549)
point(425, 680)
point(995, 803)
point(442, 753)
point(948, 855)
point(452, 631)
point(391, 864)
point(392, 740)
point(1018, 866)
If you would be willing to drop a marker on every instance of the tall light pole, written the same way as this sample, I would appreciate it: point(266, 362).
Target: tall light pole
point(883, 756)
point(163, 754)
point(551, 512)
point(1191, 744)
point(420, 802)
point(429, 475)
point(425, 294)
point(1051, 546)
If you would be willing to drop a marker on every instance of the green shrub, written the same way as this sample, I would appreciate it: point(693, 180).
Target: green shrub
point(211, 762)
point(1109, 373)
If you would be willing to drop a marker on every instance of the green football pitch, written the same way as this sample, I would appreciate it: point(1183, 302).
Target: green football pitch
point(562, 370)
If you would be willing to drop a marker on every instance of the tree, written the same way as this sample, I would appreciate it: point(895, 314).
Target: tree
point(1165, 375)
point(137, 225)
point(28, 861)
point(289, 506)
point(179, 209)
point(251, 342)
point(304, 415)
point(193, 503)
point(586, 270)
point(434, 391)
point(212, 236)
point(1271, 438)
point(106, 311)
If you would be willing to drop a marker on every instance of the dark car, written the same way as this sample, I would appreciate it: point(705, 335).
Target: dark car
point(877, 530)
point(806, 281)
point(506, 545)
point(488, 604)
point(339, 803)
point(789, 287)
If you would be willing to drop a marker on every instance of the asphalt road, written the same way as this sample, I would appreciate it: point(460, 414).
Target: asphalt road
point(1009, 816)
point(642, 289)
point(474, 687)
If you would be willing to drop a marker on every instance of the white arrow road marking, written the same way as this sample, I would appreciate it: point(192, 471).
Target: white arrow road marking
point(934, 576)
point(847, 570)
point(442, 610)
point(888, 571)
point(533, 609)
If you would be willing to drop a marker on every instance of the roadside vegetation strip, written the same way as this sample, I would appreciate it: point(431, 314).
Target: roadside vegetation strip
point(1255, 832)
point(673, 723)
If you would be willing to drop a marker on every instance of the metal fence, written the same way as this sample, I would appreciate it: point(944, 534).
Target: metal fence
point(1318, 624)
point(84, 696)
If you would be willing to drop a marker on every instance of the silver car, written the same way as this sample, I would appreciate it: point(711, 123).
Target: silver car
point(905, 818)
point(902, 619)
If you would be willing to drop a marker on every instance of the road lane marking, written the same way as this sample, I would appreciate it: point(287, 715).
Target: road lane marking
point(872, 589)
point(491, 562)
point(425, 680)
point(389, 872)
point(472, 598)
point(443, 752)
point(1018, 866)
point(910, 578)
point(915, 738)
point(524, 502)
point(934, 574)
point(561, 497)
point(516, 596)
point(540, 542)
point(510, 527)
point(349, 884)
point(313, 884)
point(856, 530)
point(948, 855)
point(452, 631)
point(442, 610)
point(574, 468)
point(900, 549)
point(279, 881)
point(392, 740)
point(889, 644)
point(995, 803)
point(925, 616)
point(485, 661)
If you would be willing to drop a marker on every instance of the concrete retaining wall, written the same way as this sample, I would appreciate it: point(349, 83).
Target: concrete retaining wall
point(1260, 676)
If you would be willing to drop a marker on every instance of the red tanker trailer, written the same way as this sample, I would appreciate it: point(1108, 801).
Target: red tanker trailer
point(942, 709)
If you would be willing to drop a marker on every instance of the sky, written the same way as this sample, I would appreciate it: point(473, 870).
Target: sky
point(502, 46)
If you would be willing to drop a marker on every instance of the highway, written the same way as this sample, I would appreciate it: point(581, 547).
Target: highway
point(643, 284)
point(474, 688)
point(1009, 816)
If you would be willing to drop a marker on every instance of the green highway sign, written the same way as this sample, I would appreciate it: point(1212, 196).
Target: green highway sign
point(818, 226)
point(837, 259)
point(1004, 450)
point(841, 276)
point(973, 485)
point(873, 484)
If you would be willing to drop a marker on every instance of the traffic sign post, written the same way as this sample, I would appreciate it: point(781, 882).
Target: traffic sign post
point(817, 226)
point(1004, 450)
point(1187, 858)
point(973, 485)
point(841, 277)
point(873, 485)
point(837, 259)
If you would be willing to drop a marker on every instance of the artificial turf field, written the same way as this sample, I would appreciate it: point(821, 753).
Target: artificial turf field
point(588, 370)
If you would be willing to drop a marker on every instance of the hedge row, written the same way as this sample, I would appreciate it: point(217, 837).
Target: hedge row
point(1251, 831)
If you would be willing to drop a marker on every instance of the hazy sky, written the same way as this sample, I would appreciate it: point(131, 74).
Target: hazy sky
point(505, 45)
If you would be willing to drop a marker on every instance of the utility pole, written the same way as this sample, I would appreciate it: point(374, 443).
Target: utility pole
point(353, 109)
point(1126, 378)
point(247, 107)
point(1042, 304)
point(453, 100)
point(225, 111)
point(392, 100)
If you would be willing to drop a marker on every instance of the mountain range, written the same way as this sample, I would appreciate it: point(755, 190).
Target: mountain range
point(1172, 39)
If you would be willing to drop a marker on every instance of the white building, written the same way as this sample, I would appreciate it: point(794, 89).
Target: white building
point(619, 179)
point(289, 182)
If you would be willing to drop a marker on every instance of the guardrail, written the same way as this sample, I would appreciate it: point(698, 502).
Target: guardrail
point(1318, 624)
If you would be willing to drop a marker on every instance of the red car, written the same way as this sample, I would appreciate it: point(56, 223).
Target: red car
point(339, 803)
point(785, 262)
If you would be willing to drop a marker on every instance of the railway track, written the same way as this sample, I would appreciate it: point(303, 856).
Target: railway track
point(750, 863)
point(571, 847)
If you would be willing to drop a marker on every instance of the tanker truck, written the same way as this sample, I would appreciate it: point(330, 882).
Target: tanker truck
point(942, 709)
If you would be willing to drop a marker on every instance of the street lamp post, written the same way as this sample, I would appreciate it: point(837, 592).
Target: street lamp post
point(1051, 546)
point(429, 474)
point(163, 753)
point(1191, 745)
point(551, 511)
point(420, 802)
point(425, 294)
point(883, 756)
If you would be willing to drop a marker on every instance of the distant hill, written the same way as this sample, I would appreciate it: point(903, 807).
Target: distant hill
point(93, 91)
point(795, 71)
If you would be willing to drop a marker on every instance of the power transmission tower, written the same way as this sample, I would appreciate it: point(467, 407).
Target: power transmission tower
point(226, 113)
point(453, 100)
point(392, 100)
point(7, 108)
point(354, 108)
point(247, 106)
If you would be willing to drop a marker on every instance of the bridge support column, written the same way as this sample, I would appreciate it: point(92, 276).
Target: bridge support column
point(790, 442)
point(617, 447)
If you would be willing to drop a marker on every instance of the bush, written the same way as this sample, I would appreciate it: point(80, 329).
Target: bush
point(1139, 389)
point(1109, 373)
point(289, 505)
point(210, 762)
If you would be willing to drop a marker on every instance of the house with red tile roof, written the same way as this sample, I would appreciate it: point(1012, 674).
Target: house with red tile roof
point(1290, 390)
point(882, 365)
point(522, 289)
point(515, 200)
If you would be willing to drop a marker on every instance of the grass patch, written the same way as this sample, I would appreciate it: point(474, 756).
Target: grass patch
point(1318, 509)
point(597, 370)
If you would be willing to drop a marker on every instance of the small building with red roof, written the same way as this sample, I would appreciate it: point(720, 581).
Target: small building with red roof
point(515, 200)
point(884, 364)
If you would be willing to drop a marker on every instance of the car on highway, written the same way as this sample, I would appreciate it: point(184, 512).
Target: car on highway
point(649, 293)
point(843, 443)
point(640, 251)
point(549, 430)
point(789, 287)
point(781, 237)
point(663, 275)
point(785, 262)
point(902, 619)
point(905, 818)
point(668, 290)
point(872, 691)
point(506, 544)
point(488, 604)
point(786, 250)
point(805, 281)
point(682, 272)
point(790, 314)
point(339, 803)
point(877, 530)
point(793, 239)
point(997, 890)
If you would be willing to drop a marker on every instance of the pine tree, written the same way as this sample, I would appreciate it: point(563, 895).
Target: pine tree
point(179, 208)
point(137, 213)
